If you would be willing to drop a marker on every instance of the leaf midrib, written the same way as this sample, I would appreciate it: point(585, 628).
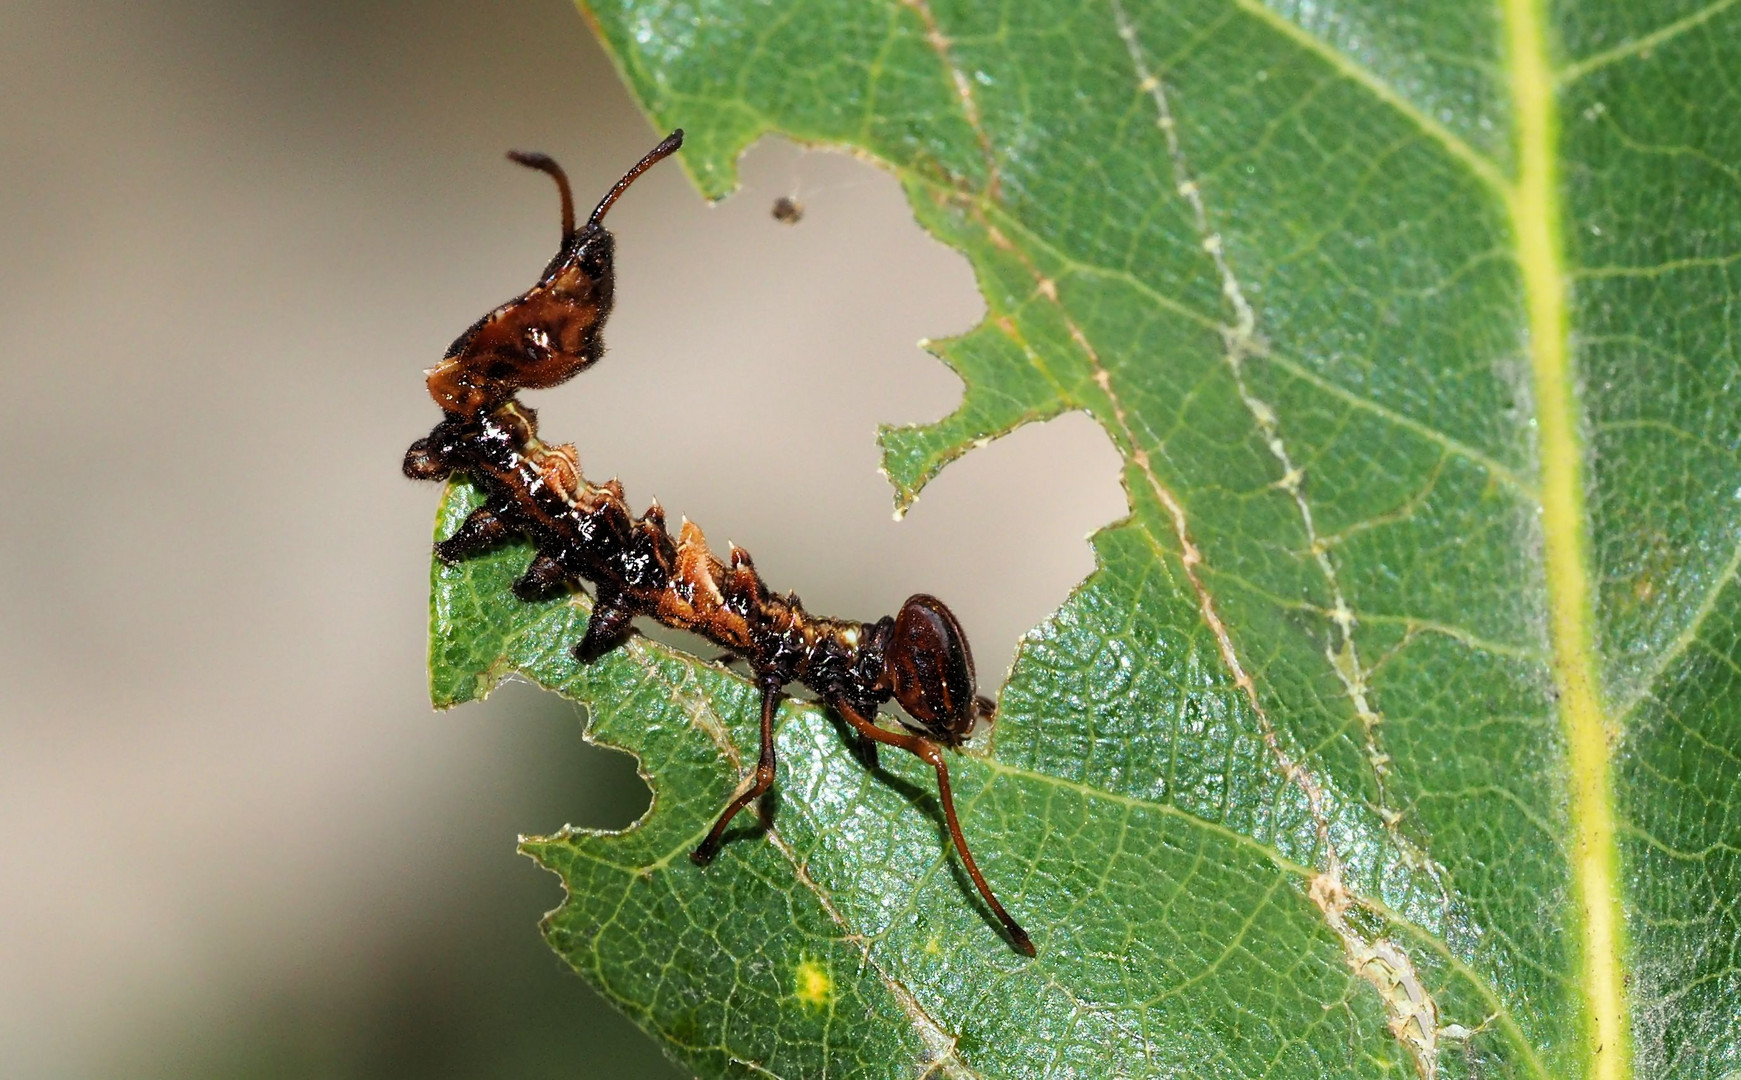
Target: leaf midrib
point(1536, 213)
point(1533, 203)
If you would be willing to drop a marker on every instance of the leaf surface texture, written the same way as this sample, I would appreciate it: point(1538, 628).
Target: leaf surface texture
point(1397, 733)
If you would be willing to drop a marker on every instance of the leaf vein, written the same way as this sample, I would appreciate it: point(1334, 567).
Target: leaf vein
point(1685, 638)
point(1662, 35)
point(1479, 164)
point(1500, 471)
point(941, 45)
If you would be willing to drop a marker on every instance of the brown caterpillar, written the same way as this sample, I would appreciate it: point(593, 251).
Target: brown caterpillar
point(584, 531)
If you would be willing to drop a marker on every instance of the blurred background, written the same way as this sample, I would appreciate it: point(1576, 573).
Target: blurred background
point(234, 839)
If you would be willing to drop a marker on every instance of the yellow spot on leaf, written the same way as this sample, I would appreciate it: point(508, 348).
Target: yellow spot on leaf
point(815, 986)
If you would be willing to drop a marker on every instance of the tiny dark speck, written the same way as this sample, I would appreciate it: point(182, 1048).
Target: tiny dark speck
point(787, 210)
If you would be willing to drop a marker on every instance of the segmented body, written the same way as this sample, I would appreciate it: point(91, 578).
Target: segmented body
point(585, 531)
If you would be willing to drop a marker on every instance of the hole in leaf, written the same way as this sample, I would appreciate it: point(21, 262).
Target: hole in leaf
point(750, 365)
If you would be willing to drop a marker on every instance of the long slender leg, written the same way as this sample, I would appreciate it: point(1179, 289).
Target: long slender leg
point(763, 779)
point(930, 753)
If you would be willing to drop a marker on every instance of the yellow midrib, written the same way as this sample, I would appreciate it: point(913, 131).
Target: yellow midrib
point(1535, 213)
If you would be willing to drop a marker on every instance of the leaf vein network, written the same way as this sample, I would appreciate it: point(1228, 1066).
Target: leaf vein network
point(942, 1045)
point(1240, 342)
point(1500, 471)
point(1480, 165)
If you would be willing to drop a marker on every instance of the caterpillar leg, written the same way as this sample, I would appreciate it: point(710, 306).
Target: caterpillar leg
point(542, 580)
point(424, 462)
point(606, 629)
point(932, 754)
point(760, 781)
point(481, 531)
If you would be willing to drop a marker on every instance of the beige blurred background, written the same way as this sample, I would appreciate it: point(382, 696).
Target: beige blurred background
point(234, 839)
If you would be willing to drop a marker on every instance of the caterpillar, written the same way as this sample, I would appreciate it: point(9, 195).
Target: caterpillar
point(582, 531)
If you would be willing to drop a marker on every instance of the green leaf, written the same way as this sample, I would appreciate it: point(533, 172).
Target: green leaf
point(1398, 732)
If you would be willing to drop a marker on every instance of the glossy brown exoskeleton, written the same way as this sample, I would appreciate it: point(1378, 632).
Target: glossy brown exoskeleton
point(585, 532)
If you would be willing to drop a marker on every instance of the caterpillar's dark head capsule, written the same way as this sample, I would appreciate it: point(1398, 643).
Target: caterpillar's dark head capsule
point(929, 669)
point(552, 331)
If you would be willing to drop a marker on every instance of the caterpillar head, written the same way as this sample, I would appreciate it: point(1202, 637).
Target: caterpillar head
point(929, 670)
point(553, 330)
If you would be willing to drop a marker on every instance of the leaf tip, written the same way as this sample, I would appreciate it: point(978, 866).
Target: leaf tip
point(907, 464)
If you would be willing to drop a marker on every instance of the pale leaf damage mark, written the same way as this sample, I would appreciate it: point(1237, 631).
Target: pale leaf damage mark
point(1413, 1013)
point(1410, 1012)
